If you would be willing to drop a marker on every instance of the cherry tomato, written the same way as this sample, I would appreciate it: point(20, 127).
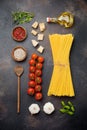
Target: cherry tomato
point(30, 91)
point(32, 62)
point(32, 69)
point(40, 59)
point(38, 80)
point(39, 66)
point(38, 72)
point(38, 96)
point(38, 88)
point(31, 83)
point(32, 76)
point(34, 56)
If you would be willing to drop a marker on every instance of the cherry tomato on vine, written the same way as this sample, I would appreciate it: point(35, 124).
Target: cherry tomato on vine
point(39, 65)
point(32, 69)
point(38, 96)
point(34, 56)
point(32, 62)
point(31, 83)
point(40, 59)
point(38, 88)
point(38, 80)
point(30, 91)
point(38, 72)
point(31, 76)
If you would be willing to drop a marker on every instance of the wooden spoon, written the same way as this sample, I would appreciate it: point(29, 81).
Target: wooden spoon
point(19, 71)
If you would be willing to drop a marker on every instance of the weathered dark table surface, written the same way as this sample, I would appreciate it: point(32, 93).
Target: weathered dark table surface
point(9, 120)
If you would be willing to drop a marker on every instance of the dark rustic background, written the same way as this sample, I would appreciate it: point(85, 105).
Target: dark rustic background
point(9, 120)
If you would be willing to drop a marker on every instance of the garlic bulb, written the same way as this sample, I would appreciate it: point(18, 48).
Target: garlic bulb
point(48, 108)
point(34, 108)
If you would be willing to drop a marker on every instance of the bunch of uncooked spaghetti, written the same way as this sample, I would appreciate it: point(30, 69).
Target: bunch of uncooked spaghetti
point(61, 80)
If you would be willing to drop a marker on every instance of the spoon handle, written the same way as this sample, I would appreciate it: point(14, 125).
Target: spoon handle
point(18, 95)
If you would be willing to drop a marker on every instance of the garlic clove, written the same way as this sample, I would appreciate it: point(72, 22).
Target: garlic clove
point(48, 108)
point(34, 108)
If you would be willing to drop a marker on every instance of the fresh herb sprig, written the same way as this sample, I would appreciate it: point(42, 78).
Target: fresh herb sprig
point(20, 17)
point(67, 108)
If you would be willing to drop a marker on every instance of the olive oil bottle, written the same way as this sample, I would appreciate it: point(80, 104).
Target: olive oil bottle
point(66, 19)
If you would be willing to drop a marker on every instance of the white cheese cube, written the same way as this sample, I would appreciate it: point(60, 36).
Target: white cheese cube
point(40, 37)
point(42, 27)
point(40, 49)
point(34, 32)
point(35, 24)
point(34, 43)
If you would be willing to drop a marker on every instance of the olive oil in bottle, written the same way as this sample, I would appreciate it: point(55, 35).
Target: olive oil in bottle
point(66, 19)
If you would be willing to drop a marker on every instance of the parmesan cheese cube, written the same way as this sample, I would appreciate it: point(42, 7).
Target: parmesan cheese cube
point(34, 43)
point(34, 32)
point(40, 37)
point(42, 27)
point(40, 49)
point(35, 24)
